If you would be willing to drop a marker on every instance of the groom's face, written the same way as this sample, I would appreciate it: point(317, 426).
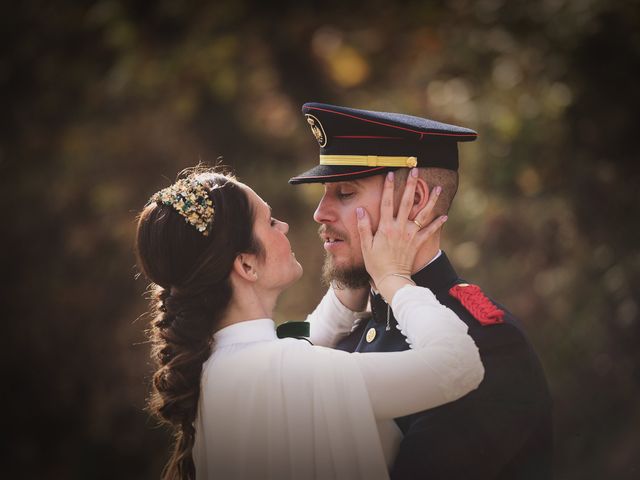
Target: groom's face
point(336, 213)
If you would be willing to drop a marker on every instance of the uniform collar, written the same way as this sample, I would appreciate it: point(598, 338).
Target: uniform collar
point(260, 330)
point(437, 256)
point(437, 275)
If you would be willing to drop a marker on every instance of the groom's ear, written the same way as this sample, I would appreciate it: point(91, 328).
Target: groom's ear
point(420, 198)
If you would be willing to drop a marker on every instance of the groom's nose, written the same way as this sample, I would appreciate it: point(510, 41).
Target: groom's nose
point(325, 213)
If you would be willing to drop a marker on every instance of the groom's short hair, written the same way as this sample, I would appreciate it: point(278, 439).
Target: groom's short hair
point(433, 176)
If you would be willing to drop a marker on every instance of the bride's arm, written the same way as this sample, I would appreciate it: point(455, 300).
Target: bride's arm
point(331, 320)
point(442, 365)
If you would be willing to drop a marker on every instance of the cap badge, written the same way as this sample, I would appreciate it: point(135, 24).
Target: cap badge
point(317, 130)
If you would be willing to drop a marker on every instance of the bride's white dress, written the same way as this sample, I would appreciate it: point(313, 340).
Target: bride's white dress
point(282, 409)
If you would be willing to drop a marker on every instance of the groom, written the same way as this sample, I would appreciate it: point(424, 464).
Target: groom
point(503, 429)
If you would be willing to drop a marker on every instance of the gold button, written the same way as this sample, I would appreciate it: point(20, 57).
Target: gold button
point(371, 334)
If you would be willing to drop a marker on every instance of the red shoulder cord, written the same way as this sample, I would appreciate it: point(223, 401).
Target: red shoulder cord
point(476, 302)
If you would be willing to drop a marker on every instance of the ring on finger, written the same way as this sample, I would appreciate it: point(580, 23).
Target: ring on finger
point(420, 227)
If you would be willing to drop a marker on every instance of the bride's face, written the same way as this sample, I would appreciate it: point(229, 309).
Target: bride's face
point(279, 267)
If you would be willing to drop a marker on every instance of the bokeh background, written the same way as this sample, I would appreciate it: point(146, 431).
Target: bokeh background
point(103, 102)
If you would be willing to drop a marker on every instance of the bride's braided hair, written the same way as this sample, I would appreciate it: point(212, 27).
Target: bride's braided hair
point(190, 293)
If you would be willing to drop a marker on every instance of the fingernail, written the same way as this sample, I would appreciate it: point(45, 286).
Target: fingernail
point(414, 172)
point(390, 176)
point(445, 218)
point(438, 190)
point(360, 212)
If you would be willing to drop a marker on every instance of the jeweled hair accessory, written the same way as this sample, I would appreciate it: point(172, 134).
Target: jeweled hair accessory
point(190, 199)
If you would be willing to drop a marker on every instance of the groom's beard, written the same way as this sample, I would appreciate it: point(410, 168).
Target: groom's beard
point(354, 276)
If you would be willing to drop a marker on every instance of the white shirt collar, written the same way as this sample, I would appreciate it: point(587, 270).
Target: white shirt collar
point(375, 292)
point(263, 329)
point(431, 261)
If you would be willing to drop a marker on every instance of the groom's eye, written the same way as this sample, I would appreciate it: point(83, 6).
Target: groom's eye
point(345, 195)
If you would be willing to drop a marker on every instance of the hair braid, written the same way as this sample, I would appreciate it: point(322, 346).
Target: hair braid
point(191, 293)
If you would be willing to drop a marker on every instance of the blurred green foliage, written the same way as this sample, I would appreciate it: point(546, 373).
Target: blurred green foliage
point(105, 101)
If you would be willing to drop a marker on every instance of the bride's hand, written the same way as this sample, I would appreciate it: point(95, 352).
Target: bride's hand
point(389, 254)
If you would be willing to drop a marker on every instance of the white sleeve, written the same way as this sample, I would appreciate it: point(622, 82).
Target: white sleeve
point(330, 321)
point(442, 365)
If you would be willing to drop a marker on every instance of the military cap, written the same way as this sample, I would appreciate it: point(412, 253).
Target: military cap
point(360, 143)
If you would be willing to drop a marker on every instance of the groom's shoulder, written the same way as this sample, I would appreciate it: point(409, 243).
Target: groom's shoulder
point(508, 355)
point(488, 321)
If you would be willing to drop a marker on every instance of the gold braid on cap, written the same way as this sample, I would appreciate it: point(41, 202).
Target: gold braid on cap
point(190, 199)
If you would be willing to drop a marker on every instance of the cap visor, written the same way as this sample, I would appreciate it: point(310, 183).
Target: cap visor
point(334, 173)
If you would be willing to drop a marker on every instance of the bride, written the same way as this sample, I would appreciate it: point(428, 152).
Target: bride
point(244, 404)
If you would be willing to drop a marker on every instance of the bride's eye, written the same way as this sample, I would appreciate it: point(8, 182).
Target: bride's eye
point(273, 221)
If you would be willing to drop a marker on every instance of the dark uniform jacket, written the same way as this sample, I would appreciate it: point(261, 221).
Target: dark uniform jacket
point(500, 431)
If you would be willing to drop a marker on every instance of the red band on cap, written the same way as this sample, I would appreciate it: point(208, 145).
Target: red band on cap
point(367, 136)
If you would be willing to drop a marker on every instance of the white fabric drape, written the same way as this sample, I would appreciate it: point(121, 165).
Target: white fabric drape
point(274, 411)
point(282, 409)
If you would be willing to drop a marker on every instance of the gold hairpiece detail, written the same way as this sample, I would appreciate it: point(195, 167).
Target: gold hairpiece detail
point(190, 199)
